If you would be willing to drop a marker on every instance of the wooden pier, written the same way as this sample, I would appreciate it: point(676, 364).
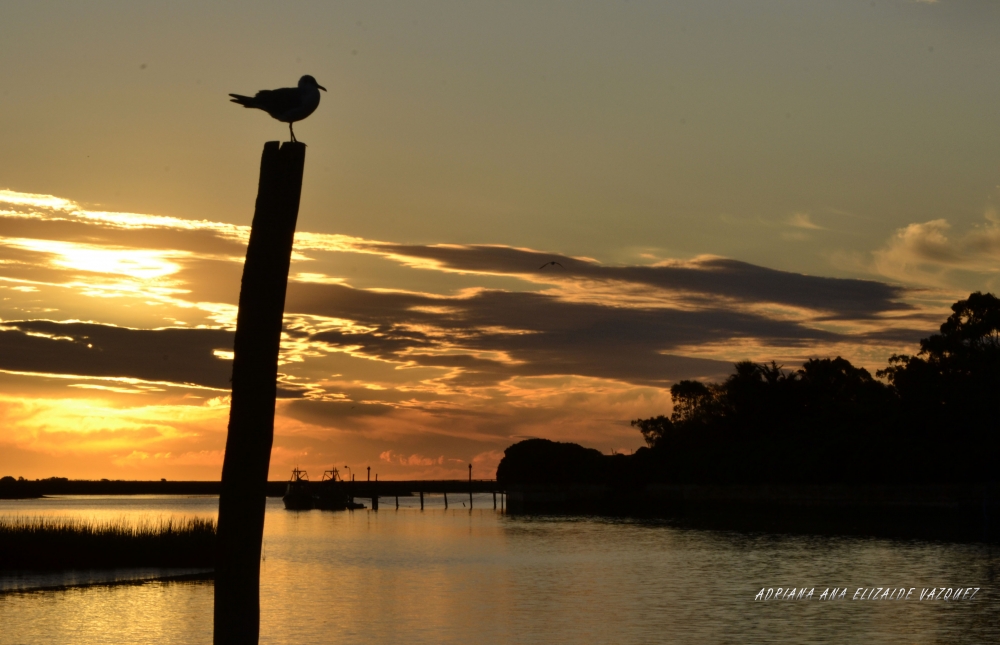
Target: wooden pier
point(374, 490)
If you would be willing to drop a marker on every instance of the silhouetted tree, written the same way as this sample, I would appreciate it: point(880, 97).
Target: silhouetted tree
point(832, 391)
point(765, 422)
point(959, 366)
point(694, 402)
point(949, 391)
point(653, 429)
point(540, 461)
point(937, 418)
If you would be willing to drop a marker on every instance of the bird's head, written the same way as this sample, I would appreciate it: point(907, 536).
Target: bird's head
point(309, 81)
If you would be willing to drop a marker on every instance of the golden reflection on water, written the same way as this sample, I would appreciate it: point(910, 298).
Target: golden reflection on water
point(475, 576)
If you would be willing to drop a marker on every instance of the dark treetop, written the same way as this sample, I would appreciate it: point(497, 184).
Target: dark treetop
point(932, 418)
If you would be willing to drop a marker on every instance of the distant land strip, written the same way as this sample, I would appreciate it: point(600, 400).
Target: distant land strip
point(54, 486)
point(23, 489)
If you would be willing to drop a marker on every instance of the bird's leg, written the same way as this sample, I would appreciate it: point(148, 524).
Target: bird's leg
point(293, 132)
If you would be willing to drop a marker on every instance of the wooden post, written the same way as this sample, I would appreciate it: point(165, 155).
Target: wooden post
point(397, 502)
point(446, 501)
point(251, 413)
point(494, 500)
point(470, 485)
point(374, 502)
point(421, 500)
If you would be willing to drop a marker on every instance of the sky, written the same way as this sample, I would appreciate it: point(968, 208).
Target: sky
point(717, 181)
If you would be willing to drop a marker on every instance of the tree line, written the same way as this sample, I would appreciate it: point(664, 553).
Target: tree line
point(931, 417)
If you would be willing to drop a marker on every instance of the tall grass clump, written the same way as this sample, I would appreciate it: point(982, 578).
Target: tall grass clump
point(44, 543)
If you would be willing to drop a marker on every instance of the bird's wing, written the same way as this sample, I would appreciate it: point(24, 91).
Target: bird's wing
point(274, 102)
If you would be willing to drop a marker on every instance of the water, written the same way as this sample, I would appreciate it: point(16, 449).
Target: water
point(476, 576)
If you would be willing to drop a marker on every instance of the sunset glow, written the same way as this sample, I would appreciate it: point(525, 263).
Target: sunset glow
point(419, 382)
point(516, 220)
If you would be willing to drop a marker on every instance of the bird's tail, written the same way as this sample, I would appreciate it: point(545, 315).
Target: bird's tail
point(245, 101)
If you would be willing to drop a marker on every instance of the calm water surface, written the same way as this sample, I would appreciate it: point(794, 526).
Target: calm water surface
point(476, 576)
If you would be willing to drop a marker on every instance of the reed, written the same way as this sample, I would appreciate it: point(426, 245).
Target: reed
point(45, 543)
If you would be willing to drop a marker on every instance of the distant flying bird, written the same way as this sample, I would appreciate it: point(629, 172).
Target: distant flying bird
point(553, 262)
point(288, 104)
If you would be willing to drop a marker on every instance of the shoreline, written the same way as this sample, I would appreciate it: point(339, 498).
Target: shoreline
point(59, 487)
point(963, 512)
point(96, 578)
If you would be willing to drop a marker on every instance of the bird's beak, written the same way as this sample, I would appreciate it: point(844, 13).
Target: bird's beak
point(320, 87)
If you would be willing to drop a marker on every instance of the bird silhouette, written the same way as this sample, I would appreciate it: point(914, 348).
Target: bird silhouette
point(553, 262)
point(288, 104)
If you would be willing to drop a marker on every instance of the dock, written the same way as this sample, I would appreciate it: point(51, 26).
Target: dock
point(458, 488)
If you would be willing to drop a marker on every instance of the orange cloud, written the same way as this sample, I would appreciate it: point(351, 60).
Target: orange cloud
point(116, 337)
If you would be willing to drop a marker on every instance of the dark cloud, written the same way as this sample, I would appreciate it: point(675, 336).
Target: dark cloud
point(183, 356)
point(703, 279)
point(343, 414)
point(486, 337)
point(175, 355)
point(899, 336)
point(541, 334)
point(160, 238)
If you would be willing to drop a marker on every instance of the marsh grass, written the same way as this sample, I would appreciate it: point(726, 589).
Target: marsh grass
point(46, 543)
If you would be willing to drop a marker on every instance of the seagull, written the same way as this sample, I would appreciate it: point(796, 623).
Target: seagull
point(553, 262)
point(288, 104)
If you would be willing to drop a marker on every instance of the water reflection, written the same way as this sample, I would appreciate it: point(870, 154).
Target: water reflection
point(474, 576)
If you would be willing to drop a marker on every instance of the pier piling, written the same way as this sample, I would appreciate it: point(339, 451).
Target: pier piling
point(254, 391)
point(446, 501)
point(421, 500)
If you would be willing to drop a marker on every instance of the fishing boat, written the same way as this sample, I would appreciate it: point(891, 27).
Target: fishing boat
point(333, 493)
point(298, 497)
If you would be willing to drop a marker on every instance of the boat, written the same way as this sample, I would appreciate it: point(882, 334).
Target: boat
point(297, 496)
point(333, 493)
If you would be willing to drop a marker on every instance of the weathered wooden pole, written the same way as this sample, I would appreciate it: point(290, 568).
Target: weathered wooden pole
point(421, 500)
point(446, 500)
point(251, 413)
point(470, 485)
point(494, 500)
